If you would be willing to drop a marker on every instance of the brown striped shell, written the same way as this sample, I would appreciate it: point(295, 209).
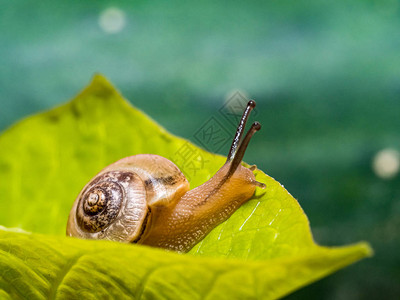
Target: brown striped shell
point(116, 204)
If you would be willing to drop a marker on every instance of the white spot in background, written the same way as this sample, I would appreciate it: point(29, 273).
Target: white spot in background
point(112, 20)
point(386, 163)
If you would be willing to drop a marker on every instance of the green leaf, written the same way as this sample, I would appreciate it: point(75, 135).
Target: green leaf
point(265, 250)
point(38, 267)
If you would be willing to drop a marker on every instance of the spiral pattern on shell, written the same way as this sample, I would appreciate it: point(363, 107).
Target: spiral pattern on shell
point(112, 206)
point(100, 205)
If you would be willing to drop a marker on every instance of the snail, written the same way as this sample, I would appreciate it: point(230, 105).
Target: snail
point(146, 199)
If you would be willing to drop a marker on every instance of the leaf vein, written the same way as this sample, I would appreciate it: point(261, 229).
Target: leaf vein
point(61, 277)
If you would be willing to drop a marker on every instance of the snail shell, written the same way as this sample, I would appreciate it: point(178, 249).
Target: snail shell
point(116, 203)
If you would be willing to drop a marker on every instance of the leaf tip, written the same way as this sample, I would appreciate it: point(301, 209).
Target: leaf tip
point(99, 87)
point(100, 79)
point(366, 249)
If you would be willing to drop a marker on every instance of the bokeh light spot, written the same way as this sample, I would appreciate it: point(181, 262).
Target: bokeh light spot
point(112, 20)
point(386, 163)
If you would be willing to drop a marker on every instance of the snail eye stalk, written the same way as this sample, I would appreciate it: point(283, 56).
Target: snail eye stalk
point(240, 130)
point(242, 148)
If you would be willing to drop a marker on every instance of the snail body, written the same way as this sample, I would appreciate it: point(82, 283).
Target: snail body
point(146, 199)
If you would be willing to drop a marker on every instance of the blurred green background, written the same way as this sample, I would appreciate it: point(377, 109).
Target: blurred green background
point(325, 75)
